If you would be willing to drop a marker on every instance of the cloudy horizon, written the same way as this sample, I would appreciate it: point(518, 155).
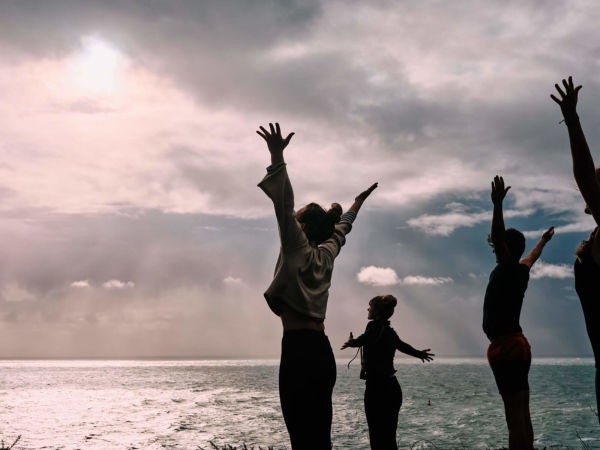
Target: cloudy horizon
point(129, 162)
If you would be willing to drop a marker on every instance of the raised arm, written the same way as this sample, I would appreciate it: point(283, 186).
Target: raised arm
point(536, 251)
point(583, 163)
point(498, 230)
point(338, 238)
point(360, 198)
point(276, 184)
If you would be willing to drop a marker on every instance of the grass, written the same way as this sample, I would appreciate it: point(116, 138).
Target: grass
point(2, 447)
point(231, 447)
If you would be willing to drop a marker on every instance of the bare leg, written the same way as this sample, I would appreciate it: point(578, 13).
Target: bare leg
point(528, 425)
point(516, 410)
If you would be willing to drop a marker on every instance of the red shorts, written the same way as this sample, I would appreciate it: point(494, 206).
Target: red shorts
point(510, 359)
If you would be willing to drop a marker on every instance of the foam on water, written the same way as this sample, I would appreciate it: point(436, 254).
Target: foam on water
point(185, 404)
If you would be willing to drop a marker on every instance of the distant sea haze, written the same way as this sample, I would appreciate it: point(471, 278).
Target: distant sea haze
point(157, 404)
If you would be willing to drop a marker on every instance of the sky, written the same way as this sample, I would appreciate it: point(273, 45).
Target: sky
point(130, 216)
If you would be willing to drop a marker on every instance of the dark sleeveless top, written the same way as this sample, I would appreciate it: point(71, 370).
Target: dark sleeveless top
point(587, 285)
point(504, 299)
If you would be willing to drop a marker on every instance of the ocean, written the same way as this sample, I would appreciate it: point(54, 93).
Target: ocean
point(186, 404)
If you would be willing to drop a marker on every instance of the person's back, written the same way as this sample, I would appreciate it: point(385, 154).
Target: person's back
point(504, 299)
point(378, 351)
point(509, 352)
point(310, 240)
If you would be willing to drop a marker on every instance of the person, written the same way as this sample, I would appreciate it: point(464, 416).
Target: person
point(509, 353)
point(311, 239)
point(587, 257)
point(383, 395)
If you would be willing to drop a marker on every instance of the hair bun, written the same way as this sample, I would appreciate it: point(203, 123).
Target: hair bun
point(389, 301)
point(335, 212)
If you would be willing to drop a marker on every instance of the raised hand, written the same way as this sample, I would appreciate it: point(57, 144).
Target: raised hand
point(425, 355)
point(360, 198)
point(568, 97)
point(348, 342)
point(275, 141)
point(364, 194)
point(548, 234)
point(498, 190)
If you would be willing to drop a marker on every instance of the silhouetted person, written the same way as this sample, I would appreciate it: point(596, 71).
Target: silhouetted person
point(509, 353)
point(587, 262)
point(383, 395)
point(311, 238)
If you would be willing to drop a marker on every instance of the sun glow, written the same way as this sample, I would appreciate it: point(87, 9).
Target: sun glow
point(97, 66)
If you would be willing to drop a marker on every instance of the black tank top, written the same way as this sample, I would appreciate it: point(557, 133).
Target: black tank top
point(504, 299)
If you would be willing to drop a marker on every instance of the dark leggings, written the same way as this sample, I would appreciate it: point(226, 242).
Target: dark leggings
point(306, 378)
point(383, 399)
point(598, 394)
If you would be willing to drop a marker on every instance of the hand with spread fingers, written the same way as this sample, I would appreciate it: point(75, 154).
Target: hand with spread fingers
point(568, 97)
point(425, 355)
point(275, 141)
point(498, 190)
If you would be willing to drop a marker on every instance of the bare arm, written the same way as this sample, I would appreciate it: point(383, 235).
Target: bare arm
point(364, 338)
point(583, 164)
point(338, 238)
point(536, 251)
point(423, 355)
point(498, 229)
point(360, 199)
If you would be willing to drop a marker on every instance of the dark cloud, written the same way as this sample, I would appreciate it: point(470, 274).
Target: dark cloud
point(411, 94)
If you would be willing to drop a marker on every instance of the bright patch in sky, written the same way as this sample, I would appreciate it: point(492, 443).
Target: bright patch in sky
point(96, 67)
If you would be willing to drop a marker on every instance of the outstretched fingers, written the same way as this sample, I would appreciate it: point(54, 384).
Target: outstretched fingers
point(426, 355)
point(555, 99)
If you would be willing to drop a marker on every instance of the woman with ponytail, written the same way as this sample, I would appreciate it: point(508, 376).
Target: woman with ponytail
point(311, 238)
point(383, 395)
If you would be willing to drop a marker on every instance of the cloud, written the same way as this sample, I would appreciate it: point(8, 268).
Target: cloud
point(117, 284)
point(377, 276)
point(584, 225)
point(458, 217)
point(386, 276)
point(232, 280)
point(13, 292)
point(425, 281)
point(81, 284)
point(542, 269)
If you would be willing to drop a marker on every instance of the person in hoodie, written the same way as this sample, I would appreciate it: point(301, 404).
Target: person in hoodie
point(311, 239)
